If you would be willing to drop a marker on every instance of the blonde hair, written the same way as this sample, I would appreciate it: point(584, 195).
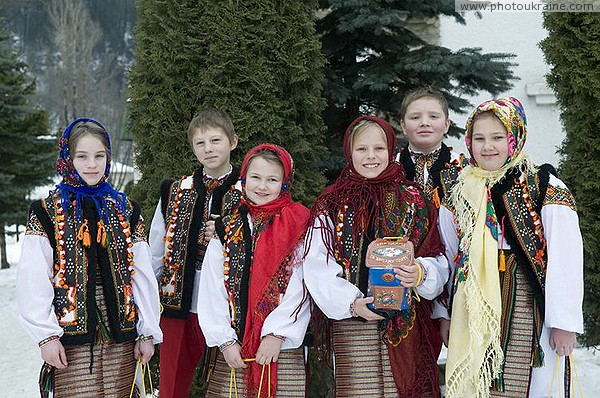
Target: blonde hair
point(361, 127)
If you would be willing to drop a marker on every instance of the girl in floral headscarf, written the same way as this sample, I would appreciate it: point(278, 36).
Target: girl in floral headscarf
point(86, 290)
point(513, 232)
point(252, 302)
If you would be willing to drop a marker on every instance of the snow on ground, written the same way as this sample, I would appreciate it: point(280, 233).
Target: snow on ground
point(20, 359)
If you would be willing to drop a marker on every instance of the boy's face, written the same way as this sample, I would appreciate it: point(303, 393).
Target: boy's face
point(489, 142)
point(212, 148)
point(425, 124)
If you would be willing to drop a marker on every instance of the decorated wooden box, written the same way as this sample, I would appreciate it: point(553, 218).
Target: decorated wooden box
point(382, 256)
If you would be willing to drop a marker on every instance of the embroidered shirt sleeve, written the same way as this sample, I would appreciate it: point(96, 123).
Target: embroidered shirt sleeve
point(559, 195)
point(139, 233)
point(34, 226)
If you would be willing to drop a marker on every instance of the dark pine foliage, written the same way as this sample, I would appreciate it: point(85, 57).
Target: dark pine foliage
point(375, 57)
point(572, 49)
point(26, 157)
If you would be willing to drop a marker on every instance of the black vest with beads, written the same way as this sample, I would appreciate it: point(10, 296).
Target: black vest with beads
point(443, 171)
point(76, 266)
point(183, 210)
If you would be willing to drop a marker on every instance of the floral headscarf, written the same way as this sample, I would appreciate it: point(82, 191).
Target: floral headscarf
point(73, 185)
point(512, 115)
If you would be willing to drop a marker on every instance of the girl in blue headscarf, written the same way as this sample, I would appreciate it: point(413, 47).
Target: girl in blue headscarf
point(87, 294)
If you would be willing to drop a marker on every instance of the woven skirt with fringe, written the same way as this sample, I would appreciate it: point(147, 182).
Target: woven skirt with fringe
point(111, 372)
point(291, 376)
point(517, 356)
point(362, 365)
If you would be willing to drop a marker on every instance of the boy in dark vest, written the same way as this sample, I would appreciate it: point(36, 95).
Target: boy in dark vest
point(178, 245)
point(424, 122)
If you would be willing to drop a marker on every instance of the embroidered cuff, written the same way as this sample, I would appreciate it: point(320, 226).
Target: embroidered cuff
point(277, 336)
point(227, 344)
point(143, 337)
point(47, 340)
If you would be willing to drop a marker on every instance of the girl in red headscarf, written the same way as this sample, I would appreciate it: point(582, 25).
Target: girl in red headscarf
point(395, 356)
point(252, 302)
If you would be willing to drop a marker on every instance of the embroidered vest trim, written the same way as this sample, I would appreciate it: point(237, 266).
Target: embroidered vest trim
point(397, 218)
point(520, 201)
point(443, 171)
point(183, 211)
point(238, 241)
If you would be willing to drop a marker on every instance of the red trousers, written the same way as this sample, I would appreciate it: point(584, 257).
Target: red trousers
point(182, 348)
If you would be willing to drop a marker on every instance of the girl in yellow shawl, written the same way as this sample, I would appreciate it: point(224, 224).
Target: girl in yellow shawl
point(512, 232)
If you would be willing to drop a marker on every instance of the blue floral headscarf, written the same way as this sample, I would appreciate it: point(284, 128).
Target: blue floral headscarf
point(73, 185)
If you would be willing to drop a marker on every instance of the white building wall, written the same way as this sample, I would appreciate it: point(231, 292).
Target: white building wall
point(518, 33)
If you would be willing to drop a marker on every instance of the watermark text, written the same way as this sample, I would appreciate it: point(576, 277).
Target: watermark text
point(527, 6)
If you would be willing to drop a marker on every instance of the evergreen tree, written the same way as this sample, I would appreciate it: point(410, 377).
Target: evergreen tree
point(374, 57)
point(26, 157)
point(572, 49)
point(259, 60)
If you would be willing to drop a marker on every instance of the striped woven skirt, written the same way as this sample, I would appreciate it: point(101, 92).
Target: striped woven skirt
point(105, 369)
point(362, 365)
point(291, 377)
point(517, 298)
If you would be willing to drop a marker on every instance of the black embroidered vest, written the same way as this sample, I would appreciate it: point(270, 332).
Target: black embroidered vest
point(237, 237)
point(398, 217)
point(519, 201)
point(443, 171)
point(183, 204)
point(75, 268)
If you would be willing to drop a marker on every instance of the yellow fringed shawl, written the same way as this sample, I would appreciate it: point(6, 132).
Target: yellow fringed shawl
point(475, 354)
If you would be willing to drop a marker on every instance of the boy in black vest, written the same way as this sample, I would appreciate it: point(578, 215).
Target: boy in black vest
point(424, 122)
point(178, 245)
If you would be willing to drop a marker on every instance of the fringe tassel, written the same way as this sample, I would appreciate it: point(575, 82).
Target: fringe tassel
point(101, 235)
point(436, 198)
point(84, 234)
point(502, 260)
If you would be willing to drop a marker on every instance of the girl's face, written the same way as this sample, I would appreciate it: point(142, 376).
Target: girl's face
point(263, 181)
point(370, 152)
point(89, 159)
point(489, 142)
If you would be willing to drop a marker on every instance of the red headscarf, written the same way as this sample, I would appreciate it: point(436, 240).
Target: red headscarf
point(367, 195)
point(287, 223)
